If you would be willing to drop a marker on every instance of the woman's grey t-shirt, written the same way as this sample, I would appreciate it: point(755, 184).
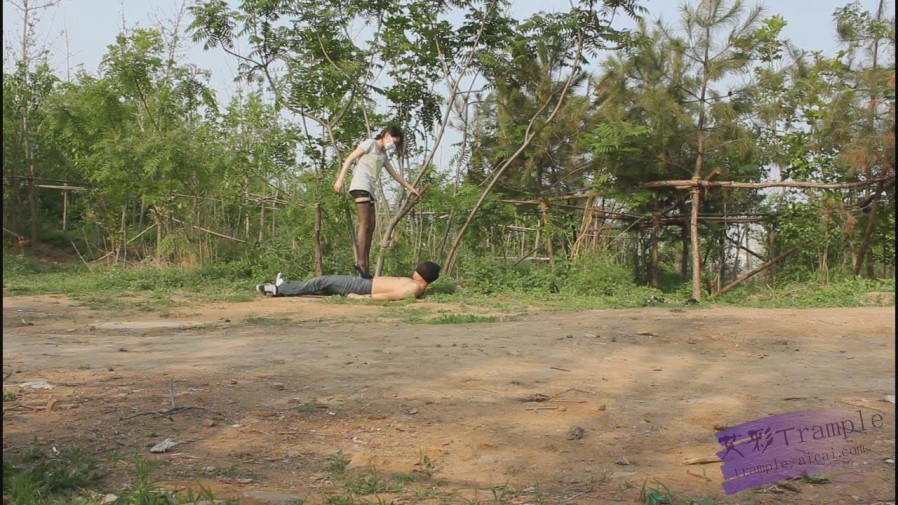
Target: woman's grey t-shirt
point(367, 168)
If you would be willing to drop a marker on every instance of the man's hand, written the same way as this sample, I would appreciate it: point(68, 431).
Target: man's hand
point(357, 296)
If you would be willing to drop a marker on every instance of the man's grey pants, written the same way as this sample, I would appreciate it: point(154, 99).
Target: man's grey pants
point(328, 285)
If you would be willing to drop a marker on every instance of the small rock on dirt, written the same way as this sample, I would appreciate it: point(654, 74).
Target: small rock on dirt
point(209, 423)
point(889, 398)
point(278, 385)
point(164, 445)
point(38, 384)
point(576, 433)
point(623, 461)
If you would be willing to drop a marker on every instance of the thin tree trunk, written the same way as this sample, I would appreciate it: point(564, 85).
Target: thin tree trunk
point(157, 218)
point(696, 252)
point(868, 234)
point(316, 241)
point(550, 246)
point(656, 256)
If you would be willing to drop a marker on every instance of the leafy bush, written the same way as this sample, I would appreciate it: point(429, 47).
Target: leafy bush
point(596, 275)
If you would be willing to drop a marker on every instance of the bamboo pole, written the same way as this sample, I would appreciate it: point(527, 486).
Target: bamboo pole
point(694, 239)
point(689, 183)
point(207, 231)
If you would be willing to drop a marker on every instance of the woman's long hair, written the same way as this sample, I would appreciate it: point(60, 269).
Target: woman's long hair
point(396, 133)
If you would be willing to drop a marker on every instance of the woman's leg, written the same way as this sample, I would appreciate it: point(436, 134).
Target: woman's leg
point(372, 220)
point(363, 233)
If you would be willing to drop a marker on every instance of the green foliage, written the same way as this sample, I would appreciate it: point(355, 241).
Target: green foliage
point(460, 319)
point(371, 483)
point(491, 276)
point(846, 291)
point(235, 189)
point(597, 275)
point(36, 477)
point(338, 462)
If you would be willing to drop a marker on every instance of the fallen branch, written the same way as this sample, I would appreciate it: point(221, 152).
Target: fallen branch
point(171, 412)
point(575, 389)
point(79, 255)
point(701, 461)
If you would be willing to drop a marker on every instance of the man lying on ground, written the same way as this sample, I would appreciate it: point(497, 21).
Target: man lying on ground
point(378, 288)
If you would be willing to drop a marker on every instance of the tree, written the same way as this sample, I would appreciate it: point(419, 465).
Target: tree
point(32, 81)
point(565, 38)
point(132, 133)
point(831, 120)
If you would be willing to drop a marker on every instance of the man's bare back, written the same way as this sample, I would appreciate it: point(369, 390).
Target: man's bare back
point(395, 288)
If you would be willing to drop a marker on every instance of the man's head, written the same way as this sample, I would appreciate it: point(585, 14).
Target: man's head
point(429, 271)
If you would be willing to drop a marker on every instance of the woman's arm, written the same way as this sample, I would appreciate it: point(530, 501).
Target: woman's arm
point(353, 156)
point(392, 171)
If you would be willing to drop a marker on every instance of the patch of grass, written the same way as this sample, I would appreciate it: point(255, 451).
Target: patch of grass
point(501, 494)
point(102, 285)
point(9, 396)
point(338, 462)
point(35, 477)
point(425, 466)
point(660, 494)
point(341, 500)
point(458, 319)
point(269, 321)
point(849, 292)
point(371, 482)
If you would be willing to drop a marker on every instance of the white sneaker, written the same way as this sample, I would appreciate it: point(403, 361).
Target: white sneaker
point(280, 279)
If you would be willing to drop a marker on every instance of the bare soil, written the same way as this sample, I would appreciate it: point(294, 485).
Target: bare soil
point(261, 395)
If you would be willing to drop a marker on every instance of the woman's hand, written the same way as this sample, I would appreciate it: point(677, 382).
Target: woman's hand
point(338, 186)
point(414, 191)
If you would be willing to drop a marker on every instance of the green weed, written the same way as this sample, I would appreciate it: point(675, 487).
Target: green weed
point(459, 319)
point(338, 462)
point(662, 495)
point(371, 482)
point(269, 321)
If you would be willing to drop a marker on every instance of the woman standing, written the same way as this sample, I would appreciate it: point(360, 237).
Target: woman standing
point(370, 156)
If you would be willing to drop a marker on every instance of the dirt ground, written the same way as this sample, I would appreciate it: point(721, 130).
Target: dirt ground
point(560, 407)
